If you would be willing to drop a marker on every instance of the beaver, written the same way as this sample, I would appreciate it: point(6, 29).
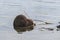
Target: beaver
point(22, 23)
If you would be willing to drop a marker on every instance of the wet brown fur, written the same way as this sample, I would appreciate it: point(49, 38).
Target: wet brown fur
point(21, 23)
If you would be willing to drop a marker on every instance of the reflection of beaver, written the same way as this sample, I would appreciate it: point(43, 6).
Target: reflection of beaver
point(22, 23)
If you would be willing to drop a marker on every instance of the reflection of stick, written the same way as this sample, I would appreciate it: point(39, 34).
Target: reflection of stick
point(26, 13)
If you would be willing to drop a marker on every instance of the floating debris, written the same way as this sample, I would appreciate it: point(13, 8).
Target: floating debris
point(49, 29)
point(58, 26)
point(58, 29)
point(48, 23)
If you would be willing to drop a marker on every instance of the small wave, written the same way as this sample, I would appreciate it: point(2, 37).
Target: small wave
point(47, 2)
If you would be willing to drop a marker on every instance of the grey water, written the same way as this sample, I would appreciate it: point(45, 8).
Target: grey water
point(45, 10)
